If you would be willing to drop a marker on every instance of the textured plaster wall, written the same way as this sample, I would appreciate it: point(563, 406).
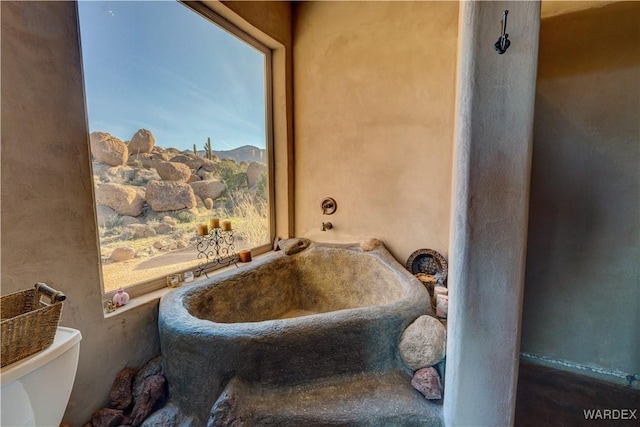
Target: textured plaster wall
point(374, 106)
point(494, 135)
point(48, 228)
point(582, 292)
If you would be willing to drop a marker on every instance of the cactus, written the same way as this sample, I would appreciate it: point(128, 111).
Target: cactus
point(195, 150)
point(207, 149)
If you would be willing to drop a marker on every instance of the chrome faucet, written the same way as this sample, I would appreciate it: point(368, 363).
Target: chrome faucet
point(326, 226)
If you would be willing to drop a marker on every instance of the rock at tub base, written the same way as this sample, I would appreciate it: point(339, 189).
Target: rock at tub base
point(427, 382)
point(153, 367)
point(423, 343)
point(294, 245)
point(121, 390)
point(152, 392)
point(107, 418)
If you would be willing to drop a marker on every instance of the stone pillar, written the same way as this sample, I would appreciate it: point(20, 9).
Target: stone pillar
point(492, 157)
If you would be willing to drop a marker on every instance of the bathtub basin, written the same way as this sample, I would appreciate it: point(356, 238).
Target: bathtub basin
point(285, 320)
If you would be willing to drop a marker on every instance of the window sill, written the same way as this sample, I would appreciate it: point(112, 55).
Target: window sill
point(153, 296)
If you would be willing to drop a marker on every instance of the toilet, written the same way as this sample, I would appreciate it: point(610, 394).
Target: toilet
point(35, 390)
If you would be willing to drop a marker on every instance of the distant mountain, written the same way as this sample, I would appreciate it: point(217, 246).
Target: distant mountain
point(247, 153)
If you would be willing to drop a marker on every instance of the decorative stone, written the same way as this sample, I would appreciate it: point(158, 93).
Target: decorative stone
point(153, 367)
point(294, 245)
point(122, 253)
point(121, 390)
point(208, 203)
point(152, 391)
point(142, 142)
point(423, 343)
point(107, 417)
point(123, 199)
point(165, 417)
point(108, 149)
point(172, 171)
point(427, 382)
point(209, 188)
point(169, 195)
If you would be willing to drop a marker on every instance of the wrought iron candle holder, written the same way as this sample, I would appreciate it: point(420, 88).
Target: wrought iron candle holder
point(216, 249)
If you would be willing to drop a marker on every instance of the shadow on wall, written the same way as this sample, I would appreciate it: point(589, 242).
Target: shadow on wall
point(582, 288)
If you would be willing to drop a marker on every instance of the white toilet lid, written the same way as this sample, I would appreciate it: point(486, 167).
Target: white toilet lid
point(65, 339)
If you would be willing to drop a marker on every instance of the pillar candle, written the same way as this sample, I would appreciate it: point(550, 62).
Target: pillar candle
point(226, 225)
point(245, 256)
point(202, 230)
point(438, 290)
point(214, 223)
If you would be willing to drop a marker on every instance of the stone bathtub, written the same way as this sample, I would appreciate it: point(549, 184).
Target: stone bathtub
point(287, 320)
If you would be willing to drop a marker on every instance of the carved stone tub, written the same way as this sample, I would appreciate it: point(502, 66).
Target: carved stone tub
point(285, 320)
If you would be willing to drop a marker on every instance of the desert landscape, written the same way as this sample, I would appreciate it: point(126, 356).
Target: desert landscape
point(149, 201)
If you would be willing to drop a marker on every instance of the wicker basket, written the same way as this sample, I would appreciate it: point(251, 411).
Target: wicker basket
point(28, 324)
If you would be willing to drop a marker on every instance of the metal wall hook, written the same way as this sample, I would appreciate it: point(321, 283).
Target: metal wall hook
point(503, 42)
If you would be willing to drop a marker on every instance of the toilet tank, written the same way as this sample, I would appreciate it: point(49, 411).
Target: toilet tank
point(35, 390)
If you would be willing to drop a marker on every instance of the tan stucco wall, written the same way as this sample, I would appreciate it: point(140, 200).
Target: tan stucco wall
point(374, 107)
point(582, 291)
point(48, 228)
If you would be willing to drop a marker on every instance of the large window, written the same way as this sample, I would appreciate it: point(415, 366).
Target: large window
point(178, 114)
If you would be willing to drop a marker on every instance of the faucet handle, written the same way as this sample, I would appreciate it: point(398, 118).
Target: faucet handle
point(326, 226)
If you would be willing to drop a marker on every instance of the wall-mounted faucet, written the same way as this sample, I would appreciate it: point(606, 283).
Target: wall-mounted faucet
point(326, 226)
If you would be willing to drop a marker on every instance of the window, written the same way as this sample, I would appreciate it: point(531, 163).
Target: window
point(178, 110)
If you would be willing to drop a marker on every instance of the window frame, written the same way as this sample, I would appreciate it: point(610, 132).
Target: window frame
point(145, 287)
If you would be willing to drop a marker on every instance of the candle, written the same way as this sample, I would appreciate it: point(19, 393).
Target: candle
point(442, 306)
point(438, 290)
point(202, 230)
point(245, 256)
point(226, 225)
point(214, 223)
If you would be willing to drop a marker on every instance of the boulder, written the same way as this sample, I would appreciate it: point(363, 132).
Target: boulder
point(172, 171)
point(123, 199)
point(139, 231)
point(427, 382)
point(210, 188)
point(423, 343)
point(129, 220)
point(169, 195)
point(108, 149)
point(193, 162)
point(122, 253)
point(255, 172)
point(208, 165)
point(120, 394)
point(106, 216)
point(164, 228)
point(142, 142)
point(148, 160)
point(146, 175)
point(208, 203)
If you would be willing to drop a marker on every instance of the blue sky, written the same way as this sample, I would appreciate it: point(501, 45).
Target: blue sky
point(160, 66)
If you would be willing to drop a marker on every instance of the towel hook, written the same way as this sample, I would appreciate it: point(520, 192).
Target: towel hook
point(503, 42)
